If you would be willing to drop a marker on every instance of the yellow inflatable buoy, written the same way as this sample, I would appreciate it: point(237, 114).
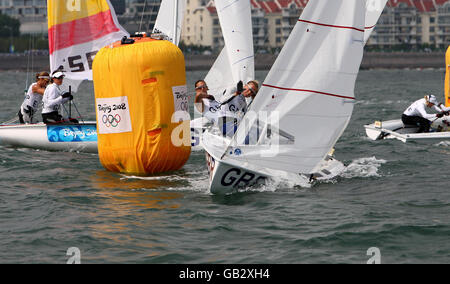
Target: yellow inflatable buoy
point(141, 101)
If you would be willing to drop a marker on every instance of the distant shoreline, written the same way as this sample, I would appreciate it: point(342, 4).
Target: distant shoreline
point(371, 60)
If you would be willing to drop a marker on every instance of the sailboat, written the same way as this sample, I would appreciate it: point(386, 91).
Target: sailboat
point(170, 19)
point(395, 129)
point(77, 31)
point(236, 61)
point(223, 74)
point(303, 107)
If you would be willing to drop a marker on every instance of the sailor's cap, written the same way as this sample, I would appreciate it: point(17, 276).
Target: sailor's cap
point(58, 74)
point(432, 99)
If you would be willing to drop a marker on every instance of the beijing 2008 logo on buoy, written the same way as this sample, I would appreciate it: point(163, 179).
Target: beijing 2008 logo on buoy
point(111, 120)
point(113, 115)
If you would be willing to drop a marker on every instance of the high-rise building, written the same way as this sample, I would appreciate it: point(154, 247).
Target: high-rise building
point(31, 13)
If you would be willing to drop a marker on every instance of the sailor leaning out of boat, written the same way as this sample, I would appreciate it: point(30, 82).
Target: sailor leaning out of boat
point(235, 102)
point(416, 113)
point(53, 98)
point(201, 93)
point(33, 98)
point(228, 113)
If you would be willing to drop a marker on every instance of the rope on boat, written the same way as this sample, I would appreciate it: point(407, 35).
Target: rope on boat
point(11, 121)
point(79, 115)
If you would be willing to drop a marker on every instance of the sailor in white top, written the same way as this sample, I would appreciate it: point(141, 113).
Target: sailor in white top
point(33, 98)
point(237, 105)
point(53, 99)
point(219, 112)
point(227, 114)
point(250, 92)
point(416, 113)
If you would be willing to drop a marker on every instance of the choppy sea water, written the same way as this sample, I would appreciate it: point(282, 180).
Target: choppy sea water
point(392, 196)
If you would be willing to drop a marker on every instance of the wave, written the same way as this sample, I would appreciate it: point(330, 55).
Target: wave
point(363, 167)
point(198, 181)
point(443, 143)
point(378, 102)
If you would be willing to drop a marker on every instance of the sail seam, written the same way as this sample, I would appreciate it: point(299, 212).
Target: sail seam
point(331, 26)
point(240, 60)
point(232, 3)
point(309, 91)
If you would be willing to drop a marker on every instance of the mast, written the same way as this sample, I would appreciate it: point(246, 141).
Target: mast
point(175, 22)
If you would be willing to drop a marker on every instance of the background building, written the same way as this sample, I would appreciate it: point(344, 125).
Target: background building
point(139, 15)
point(31, 13)
point(404, 24)
point(413, 23)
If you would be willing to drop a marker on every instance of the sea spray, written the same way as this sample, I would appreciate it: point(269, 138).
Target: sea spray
point(363, 167)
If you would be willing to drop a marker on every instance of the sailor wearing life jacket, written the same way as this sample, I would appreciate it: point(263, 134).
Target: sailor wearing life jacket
point(233, 109)
point(53, 99)
point(416, 113)
point(33, 98)
point(227, 114)
point(215, 111)
point(205, 104)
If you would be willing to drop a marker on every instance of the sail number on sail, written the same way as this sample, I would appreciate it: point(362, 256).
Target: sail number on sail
point(76, 65)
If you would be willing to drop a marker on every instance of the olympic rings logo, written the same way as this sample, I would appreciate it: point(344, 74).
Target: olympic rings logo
point(111, 121)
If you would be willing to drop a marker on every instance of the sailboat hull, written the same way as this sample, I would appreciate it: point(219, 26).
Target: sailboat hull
point(227, 177)
point(61, 137)
point(83, 138)
point(395, 129)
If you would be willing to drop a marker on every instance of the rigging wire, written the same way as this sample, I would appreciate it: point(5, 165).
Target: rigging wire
point(31, 46)
point(142, 16)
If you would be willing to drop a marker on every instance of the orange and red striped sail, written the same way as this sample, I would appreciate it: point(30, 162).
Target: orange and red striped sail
point(77, 29)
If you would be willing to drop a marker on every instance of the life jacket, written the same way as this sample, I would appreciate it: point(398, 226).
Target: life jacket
point(32, 100)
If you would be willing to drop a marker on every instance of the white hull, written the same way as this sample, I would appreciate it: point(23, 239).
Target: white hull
point(63, 137)
point(395, 129)
point(39, 136)
point(228, 176)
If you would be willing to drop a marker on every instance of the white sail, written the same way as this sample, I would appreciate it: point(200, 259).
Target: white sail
point(307, 98)
point(374, 8)
point(220, 76)
point(170, 19)
point(236, 23)
point(77, 31)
